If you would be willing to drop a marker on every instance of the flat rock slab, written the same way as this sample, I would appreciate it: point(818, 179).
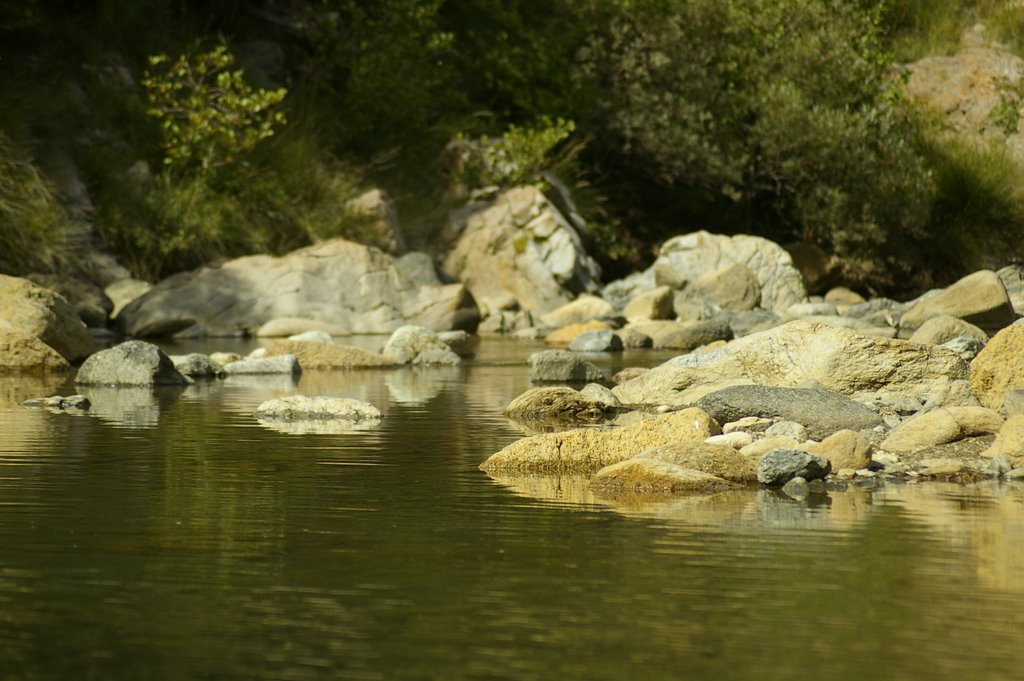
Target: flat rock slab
point(821, 412)
point(348, 287)
point(590, 449)
point(315, 356)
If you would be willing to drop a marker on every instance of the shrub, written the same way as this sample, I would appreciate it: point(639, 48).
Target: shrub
point(209, 116)
point(33, 224)
point(778, 106)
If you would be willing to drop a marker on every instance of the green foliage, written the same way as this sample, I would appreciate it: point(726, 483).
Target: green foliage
point(209, 116)
point(777, 105)
point(917, 28)
point(978, 215)
point(516, 157)
point(32, 222)
point(1006, 113)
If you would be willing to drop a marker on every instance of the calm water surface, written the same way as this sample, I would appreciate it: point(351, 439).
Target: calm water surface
point(169, 535)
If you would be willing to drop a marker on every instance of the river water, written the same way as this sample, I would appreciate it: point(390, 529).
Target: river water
point(168, 535)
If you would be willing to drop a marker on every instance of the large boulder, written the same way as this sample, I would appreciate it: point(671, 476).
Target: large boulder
point(519, 247)
point(999, 367)
point(40, 312)
point(588, 450)
point(979, 298)
point(132, 363)
point(822, 412)
point(351, 287)
point(23, 352)
point(704, 257)
point(866, 368)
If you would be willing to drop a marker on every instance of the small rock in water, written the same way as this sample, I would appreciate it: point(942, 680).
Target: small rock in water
point(280, 364)
point(60, 403)
point(197, 365)
point(998, 467)
point(796, 488)
point(781, 465)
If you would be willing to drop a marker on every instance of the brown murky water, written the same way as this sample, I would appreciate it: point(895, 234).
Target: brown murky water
point(169, 536)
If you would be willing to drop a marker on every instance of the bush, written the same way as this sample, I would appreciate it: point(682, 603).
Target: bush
point(209, 116)
point(33, 225)
point(779, 107)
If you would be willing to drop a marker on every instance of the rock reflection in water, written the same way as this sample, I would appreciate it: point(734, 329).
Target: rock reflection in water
point(318, 426)
point(419, 385)
point(129, 407)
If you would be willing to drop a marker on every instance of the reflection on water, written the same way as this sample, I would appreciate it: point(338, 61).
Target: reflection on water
point(199, 544)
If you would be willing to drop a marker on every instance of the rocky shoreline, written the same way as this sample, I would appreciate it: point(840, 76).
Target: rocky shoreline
point(769, 384)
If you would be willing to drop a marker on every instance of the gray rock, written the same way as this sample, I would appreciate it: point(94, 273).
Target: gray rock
point(688, 336)
point(601, 394)
point(632, 339)
point(1013, 402)
point(419, 345)
point(197, 365)
point(596, 341)
point(809, 309)
point(1012, 277)
point(562, 366)
point(418, 268)
point(279, 364)
point(347, 287)
point(691, 257)
point(87, 299)
point(779, 466)
point(797, 488)
point(379, 218)
point(822, 412)
point(132, 363)
point(460, 341)
point(520, 246)
point(965, 346)
point(877, 311)
point(124, 291)
point(789, 429)
point(751, 321)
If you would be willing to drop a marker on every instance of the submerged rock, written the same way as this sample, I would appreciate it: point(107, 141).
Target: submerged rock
point(60, 403)
point(654, 477)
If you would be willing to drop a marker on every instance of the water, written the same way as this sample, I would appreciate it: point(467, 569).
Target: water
point(171, 536)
